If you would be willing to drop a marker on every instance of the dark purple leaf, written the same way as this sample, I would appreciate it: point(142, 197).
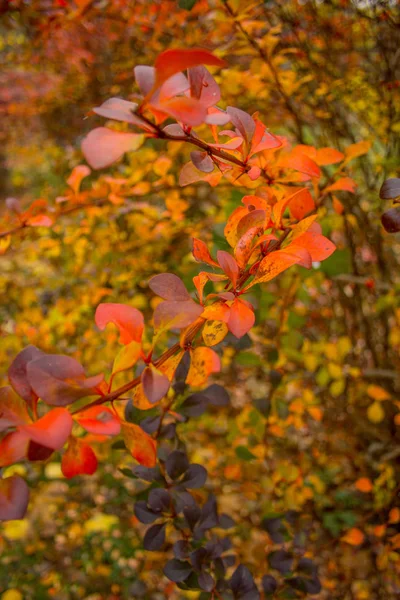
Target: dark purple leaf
point(217, 395)
point(194, 405)
point(391, 220)
point(269, 584)
point(154, 538)
point(177, 570)
point(281, 561)
point(181, 549)
point(144, 514)
point(390, 189)
point(206, 582)
point(192, 515)
point(159, 500)
point(195, 477)
point(176, 464)
point(242, 584)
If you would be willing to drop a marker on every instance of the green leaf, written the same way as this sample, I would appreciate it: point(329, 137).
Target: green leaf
point(244, 453)
point(186, 4)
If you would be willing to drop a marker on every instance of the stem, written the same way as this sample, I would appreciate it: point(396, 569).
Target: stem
point(192, 332)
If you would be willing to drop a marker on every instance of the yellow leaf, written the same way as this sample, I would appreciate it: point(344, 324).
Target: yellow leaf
point(335, 371)
point(214, 332)
point(12, 594)
point(127, 357)
point(100, 523)
point(375, 412)
point(16, 530)
point(204, 361)
point(142, 447)
point(354, 536)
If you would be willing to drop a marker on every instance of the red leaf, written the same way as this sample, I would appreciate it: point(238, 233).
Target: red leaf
point(201, 253)
point(17, 373)
point(186, 110)
point(52, 430)
point(169, 287)
point(128, 319)
point(99, 420)
point(14, 498)
point(38, 452)
point(13, 448)
point(241, 318)
point(103, 146)
point(142, 447)
point(229, 265)
point(60, 380)
point(175, 60)
point(78, 459)
point(155, 384)
point(301, 204)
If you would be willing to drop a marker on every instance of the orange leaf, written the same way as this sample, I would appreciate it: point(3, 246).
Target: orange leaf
point(328, 156)
point(78, 459)
point(272, 265)
point(13, 409)
point(201, 253)
point(364, 485)
point(204, 361)
point(244, 247)
point(345, 184)
point(218, 311)
point(357, 149)
point(316, 244)
point(40, 221)
point(142, 447)
point(77, 174)
point(394, 515)
point(241, 318)
point(354, 537)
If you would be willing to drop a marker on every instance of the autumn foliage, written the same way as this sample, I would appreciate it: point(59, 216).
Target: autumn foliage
point(211, 349)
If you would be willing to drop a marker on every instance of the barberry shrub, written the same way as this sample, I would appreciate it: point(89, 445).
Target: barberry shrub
point(52, 405)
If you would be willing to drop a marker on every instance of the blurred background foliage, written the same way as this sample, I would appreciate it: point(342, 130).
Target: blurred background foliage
point(315, 415)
